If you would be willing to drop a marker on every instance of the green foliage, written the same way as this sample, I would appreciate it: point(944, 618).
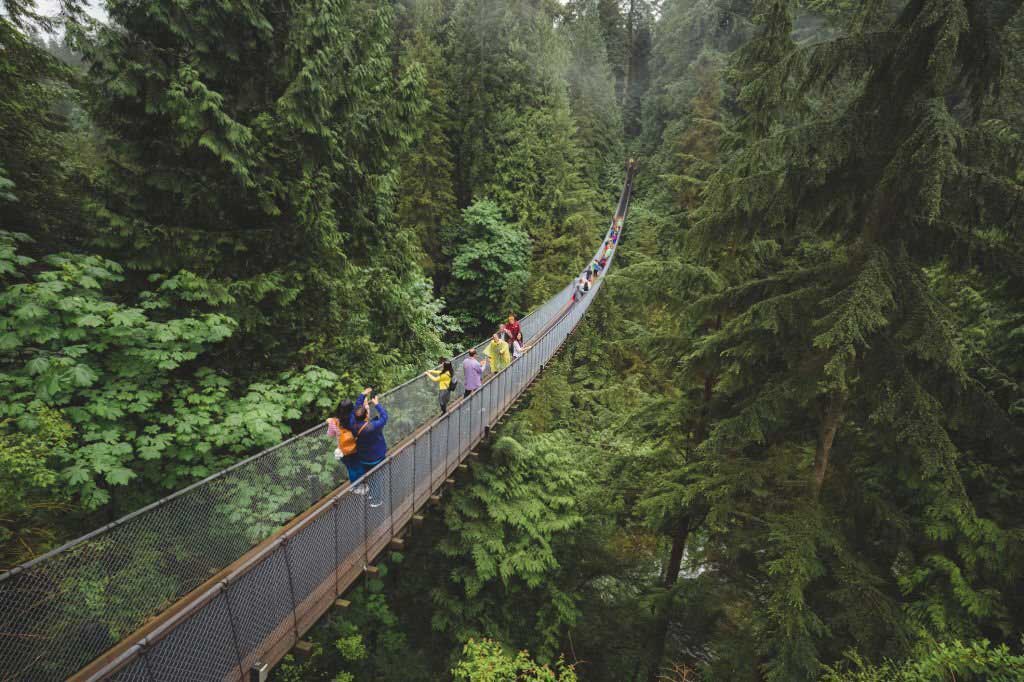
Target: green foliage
point(272, 155)
point(849, 407)
point(489, 265)
point(42, 150)
point(503, 529)
point(129, 378)
point(486, 661)
point(942, 662)
point(33, 494)
point(515, 134)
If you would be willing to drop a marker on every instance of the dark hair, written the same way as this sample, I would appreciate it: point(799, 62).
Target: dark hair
point(362, 413)
point(446, 366)
point(344, 411)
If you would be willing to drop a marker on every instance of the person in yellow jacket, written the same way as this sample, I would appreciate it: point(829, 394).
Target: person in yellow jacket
point(498, 354)
point(443, 377)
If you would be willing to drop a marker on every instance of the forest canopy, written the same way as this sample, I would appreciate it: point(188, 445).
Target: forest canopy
point(786, 443)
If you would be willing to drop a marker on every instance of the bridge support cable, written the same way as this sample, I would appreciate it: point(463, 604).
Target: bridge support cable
point(230, 586)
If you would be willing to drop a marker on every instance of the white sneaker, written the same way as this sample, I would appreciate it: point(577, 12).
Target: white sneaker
point(376, 503)
point(359, 489)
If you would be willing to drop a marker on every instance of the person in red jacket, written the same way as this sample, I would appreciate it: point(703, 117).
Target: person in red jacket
point(513, 330)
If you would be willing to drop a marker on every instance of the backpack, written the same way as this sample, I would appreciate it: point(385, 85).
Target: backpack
point(347, 442)
point(346, 439)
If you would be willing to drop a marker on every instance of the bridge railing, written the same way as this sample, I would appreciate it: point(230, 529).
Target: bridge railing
point(252, 587)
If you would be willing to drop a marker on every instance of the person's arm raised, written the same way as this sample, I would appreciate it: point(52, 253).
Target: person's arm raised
point(381, 420)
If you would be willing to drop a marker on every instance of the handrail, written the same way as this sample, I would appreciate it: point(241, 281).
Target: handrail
point(471, 420)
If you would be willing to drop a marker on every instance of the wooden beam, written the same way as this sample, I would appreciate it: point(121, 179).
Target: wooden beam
point(342, 603)
point(435, 499)
point(417, 519)
point(372, 570)
point(303, 648)
point(396, 543)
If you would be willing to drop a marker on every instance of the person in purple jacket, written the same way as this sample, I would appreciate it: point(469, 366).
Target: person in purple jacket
point(472, 371)
point(371, 448)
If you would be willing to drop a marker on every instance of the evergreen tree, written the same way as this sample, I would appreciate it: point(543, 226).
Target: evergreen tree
point(261, 155)
point(841, 370)
point(426, 195)
point(504, 527)
point(489, 266)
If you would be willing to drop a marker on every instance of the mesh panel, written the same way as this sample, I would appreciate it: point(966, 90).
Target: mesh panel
point(422, 466)
point(311, 552)
point(402, 479)
point(351, 526)
point(200, 649)
point(64, 609)
point(438, 443)
point(261, 601)
point(378, 501)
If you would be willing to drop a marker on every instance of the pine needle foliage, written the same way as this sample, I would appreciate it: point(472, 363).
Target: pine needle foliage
point(864, 163)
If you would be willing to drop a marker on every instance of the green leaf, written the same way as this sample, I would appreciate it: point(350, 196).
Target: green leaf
point(82, 375)
point(119, 476)
point(89, 320)
point(37, 365)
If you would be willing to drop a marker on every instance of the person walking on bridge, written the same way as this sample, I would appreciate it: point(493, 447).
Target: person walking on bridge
point(514, 331)
point(371, 448)
point(472, 371)
point(498, 355)
point(443, 378)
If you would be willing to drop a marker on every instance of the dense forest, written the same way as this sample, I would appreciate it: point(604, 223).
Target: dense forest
point(786, 443)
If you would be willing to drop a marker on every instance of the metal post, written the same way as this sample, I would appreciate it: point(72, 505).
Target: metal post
point(430, 452)
point(234, 631)
point(337, 559)
point(366, 526)
point(291, 585)
point(391, 490)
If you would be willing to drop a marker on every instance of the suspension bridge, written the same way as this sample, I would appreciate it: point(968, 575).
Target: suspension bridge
point(220, 580)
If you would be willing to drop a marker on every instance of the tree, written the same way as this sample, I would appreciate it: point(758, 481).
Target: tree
point(129, 378)
point(271, 154)
point(502, 529)
point(840, 366)
point(489, 265)
point(426, 197)
point(514, 132)
point(39, 194)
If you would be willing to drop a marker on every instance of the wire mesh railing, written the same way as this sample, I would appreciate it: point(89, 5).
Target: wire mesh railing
point(62, 611)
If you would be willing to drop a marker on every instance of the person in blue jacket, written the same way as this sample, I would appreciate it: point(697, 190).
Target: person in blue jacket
point(371, 448)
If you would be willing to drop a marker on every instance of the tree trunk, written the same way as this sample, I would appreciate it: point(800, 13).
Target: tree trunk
point(671, 577)
point(830, 419)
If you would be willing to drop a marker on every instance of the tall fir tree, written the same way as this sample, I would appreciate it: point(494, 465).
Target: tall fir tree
point(843, 390)
point(262, 156)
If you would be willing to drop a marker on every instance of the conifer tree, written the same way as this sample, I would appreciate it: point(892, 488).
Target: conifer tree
point(426, 196)
point(867, 163)
point(504, 527)
point(261, 154)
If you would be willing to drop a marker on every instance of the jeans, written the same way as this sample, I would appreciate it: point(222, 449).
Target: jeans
point(355, 468)
point(442, 399)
